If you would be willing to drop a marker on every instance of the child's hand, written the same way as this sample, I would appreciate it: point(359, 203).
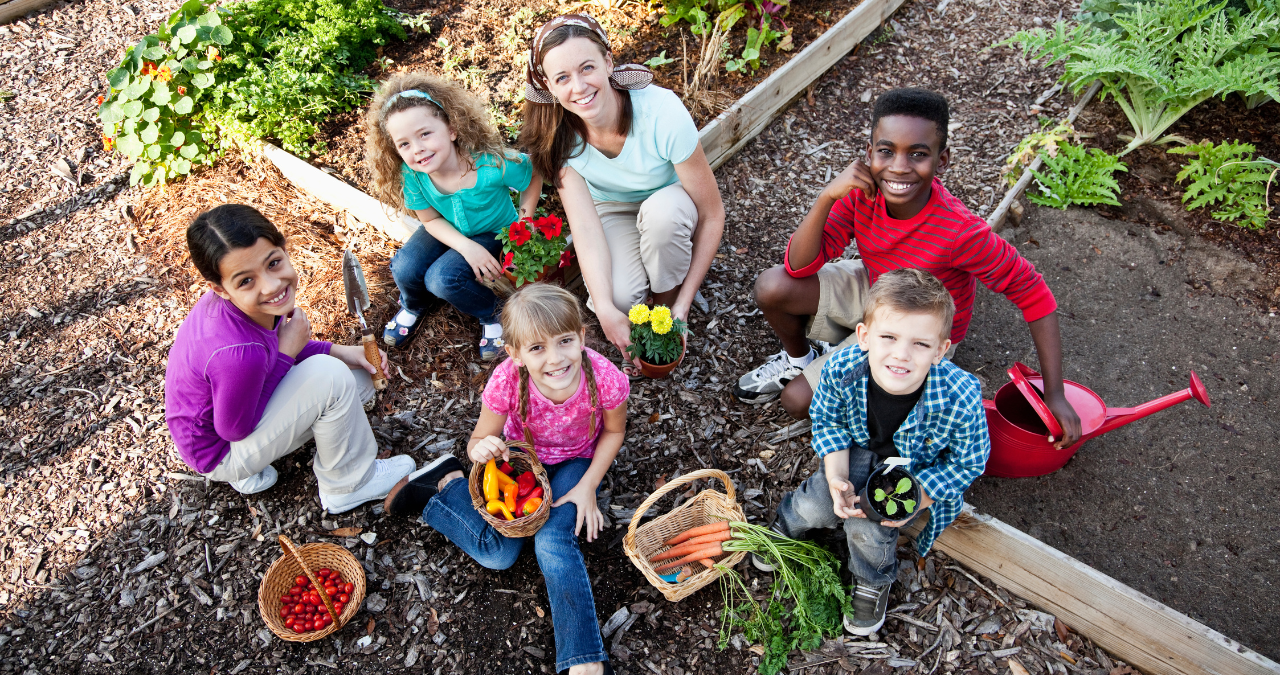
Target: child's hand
point(856, 175)
point(843, 497)
point(925, 501)
point(487, 448)
point(353, 357)
point(293, 332)
point(584, 497)
point(482, 263)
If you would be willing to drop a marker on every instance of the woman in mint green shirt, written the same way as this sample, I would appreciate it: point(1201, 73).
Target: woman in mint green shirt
point(641, 200)
point(434, 153)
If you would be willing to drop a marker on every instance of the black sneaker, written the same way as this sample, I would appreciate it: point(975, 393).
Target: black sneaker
point(765, 383)
point(412, 493)
point(869, 605)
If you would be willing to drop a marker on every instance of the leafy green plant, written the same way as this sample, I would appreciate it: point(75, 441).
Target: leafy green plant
point(519, 30)
point(659, 60)
point(656, 336)
point(1076, 175)
point(531, 246)
point(891, 500)
point(1043, 141)
point(1229, 177)
point(418, 23)
point(260, 69)
point(1165, 58)
point(760, 17)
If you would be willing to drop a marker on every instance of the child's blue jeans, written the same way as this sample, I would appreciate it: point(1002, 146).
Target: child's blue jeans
point(573, 608)
point(424, 267)
point(873, 548)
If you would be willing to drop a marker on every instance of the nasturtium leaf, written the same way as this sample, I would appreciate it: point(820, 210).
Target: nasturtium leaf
point(189, 150)
point(137, 87)
point(162, 96)
point(221, 35)
point(210, 19)
point(890, 507)
point(151, 114)
point(177, 139)
point(132, 109)
point(149, 41)
point(880, 495)
point(153, 152)
point(184, 105)
point(153, 53)
point(140, 169)
point(118, 78)
point(111, 113)
point(149, 134)
point(187, 33)
point(191, 65)
point(130, 145)
point(202, 80)
point(910, 505)
point(182, 166)
point(130, 125)
point(175, 44)
point(205, 64)
point(904, 484)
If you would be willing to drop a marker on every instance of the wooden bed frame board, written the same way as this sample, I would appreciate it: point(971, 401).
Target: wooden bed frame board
point(1140, 630)
point(16, 9)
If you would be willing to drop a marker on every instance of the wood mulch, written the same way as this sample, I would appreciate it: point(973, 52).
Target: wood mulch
point(115, 558)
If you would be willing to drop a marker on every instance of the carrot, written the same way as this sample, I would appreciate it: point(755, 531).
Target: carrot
point(710, 551)
point(708, 562)
point(692, 545)
point(718, 526)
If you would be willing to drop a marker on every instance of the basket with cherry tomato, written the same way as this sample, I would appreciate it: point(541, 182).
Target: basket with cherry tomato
point(311, 591)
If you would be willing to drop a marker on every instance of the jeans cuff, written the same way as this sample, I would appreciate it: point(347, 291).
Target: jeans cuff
point(579, 660)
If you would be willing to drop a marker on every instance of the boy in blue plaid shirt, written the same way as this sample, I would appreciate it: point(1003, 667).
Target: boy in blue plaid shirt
point(893, 395)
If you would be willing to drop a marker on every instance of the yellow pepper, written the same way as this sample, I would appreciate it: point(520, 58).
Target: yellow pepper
point(497, 508)
point(494, 481)
point(509, 496)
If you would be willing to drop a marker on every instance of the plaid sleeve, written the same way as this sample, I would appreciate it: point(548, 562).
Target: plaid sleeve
point(968, 444)
point(830, 411)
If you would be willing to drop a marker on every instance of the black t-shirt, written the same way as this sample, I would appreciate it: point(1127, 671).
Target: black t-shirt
point(885, 413)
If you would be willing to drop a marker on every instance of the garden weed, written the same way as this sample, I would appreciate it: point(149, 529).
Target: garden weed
point(1228, 176)
point(1077, 175)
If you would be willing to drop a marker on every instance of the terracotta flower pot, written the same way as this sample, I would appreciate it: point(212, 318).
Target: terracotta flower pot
point(659, 372)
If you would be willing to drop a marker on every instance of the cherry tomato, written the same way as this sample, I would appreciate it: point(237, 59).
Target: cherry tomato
point(348, 588)
point(325, 571)
point(344, 598)
point(290, 621)
point(331, 590)
point(337, 607)
point(284, 612)
point(299, 608)
point(300, 580)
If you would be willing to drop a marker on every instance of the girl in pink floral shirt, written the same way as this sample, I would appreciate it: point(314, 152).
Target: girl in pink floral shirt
point(570, 404)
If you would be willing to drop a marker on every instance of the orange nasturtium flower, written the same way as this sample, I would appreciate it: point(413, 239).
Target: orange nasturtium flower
point(164, 74)
point(213, 54)
point(100, 99)
point(148, 68)
point(108, 143)
point(182, 91)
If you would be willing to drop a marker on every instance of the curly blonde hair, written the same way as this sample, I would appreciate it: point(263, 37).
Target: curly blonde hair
point(458, 108)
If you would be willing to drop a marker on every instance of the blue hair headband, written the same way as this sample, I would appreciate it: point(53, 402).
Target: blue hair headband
point(410, 93)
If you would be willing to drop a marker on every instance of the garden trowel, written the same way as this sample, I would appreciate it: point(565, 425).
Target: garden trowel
point(357, 302)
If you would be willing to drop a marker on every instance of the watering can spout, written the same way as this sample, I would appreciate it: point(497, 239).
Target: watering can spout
point(1118, 417)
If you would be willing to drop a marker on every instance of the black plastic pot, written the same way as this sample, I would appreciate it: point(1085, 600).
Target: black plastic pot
point(886, 477)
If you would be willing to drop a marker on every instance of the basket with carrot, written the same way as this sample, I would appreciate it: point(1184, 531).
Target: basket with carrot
point(710, 510)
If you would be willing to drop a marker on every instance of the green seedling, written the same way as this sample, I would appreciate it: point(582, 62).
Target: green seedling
point(892, 499)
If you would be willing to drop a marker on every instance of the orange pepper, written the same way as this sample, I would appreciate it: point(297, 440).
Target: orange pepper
point(530, 505)
point(509, 496)
point(496, 508)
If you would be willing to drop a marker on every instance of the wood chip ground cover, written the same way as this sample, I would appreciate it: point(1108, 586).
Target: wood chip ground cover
point(114, 558)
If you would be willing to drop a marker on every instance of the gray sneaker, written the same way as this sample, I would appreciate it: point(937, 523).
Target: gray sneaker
point(869, 605)
point(765, 383)
point(257, 482)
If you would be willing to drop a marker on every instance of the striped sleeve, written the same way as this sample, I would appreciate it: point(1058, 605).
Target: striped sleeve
point(853, 210)
point(1000, 267)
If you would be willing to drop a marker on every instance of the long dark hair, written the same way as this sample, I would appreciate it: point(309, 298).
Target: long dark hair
point(217, 231)
point(550, 133)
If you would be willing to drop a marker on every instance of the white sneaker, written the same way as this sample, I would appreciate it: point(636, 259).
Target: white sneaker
point(257, 482)
point(387, 473)
point(766, 382)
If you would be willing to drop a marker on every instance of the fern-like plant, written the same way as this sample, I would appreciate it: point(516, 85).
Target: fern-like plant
point(1165, 58)
point(1228, 177)
point(1076, 175)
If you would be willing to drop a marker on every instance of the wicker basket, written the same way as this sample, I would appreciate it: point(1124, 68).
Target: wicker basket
point(305, 560)
point(646, 541)
point(520, 461)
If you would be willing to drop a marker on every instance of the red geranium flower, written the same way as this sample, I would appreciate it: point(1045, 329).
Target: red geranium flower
point(565, 258)
point(519, 233)
point(508, 260)
point(550, 226)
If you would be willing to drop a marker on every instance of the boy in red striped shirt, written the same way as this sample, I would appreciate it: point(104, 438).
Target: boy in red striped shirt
point(900, 215)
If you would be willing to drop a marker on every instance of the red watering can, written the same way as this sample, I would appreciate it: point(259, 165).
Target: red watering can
point(1021, 424)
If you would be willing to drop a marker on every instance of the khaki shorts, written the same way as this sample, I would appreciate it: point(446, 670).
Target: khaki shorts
point(650, 244)
point(842, 296)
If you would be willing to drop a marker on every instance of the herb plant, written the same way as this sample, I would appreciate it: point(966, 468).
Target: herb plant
point(531, 246)
point(760, 17)
point(1165, 58)
point(655, 335)
point(892, 499)
point(1228, 177)
point(1076, 175)
point(1044, 141)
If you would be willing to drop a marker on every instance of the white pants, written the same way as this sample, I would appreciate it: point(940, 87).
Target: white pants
point(320, 398)
point(650, 244)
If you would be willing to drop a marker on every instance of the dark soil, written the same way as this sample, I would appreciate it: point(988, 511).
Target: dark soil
point(889, 483)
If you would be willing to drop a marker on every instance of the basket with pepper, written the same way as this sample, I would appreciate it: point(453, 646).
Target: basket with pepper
point(513, 496)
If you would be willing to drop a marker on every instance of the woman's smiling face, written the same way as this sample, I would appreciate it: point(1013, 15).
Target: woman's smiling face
point(423, 140)
point(260, 281)
point(578, 76)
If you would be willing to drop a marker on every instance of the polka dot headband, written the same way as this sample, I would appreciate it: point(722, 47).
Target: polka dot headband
point(627, 76)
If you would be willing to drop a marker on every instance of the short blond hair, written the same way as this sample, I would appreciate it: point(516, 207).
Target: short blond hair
point(911, 291)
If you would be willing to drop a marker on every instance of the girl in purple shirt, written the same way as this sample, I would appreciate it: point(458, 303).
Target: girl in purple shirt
point(246, 385)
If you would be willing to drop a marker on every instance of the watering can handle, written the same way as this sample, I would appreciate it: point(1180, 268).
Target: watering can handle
point(1019, 373)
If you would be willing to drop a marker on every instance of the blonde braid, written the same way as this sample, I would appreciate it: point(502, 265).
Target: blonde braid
point(522, 406)
point(592, 390)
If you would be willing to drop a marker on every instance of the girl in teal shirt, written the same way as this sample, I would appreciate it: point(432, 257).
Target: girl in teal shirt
point(433, 153)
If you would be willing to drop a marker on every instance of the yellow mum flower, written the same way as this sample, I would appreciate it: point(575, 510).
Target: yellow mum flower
point(638, 314)
point(660, 313)
point(660, 325)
